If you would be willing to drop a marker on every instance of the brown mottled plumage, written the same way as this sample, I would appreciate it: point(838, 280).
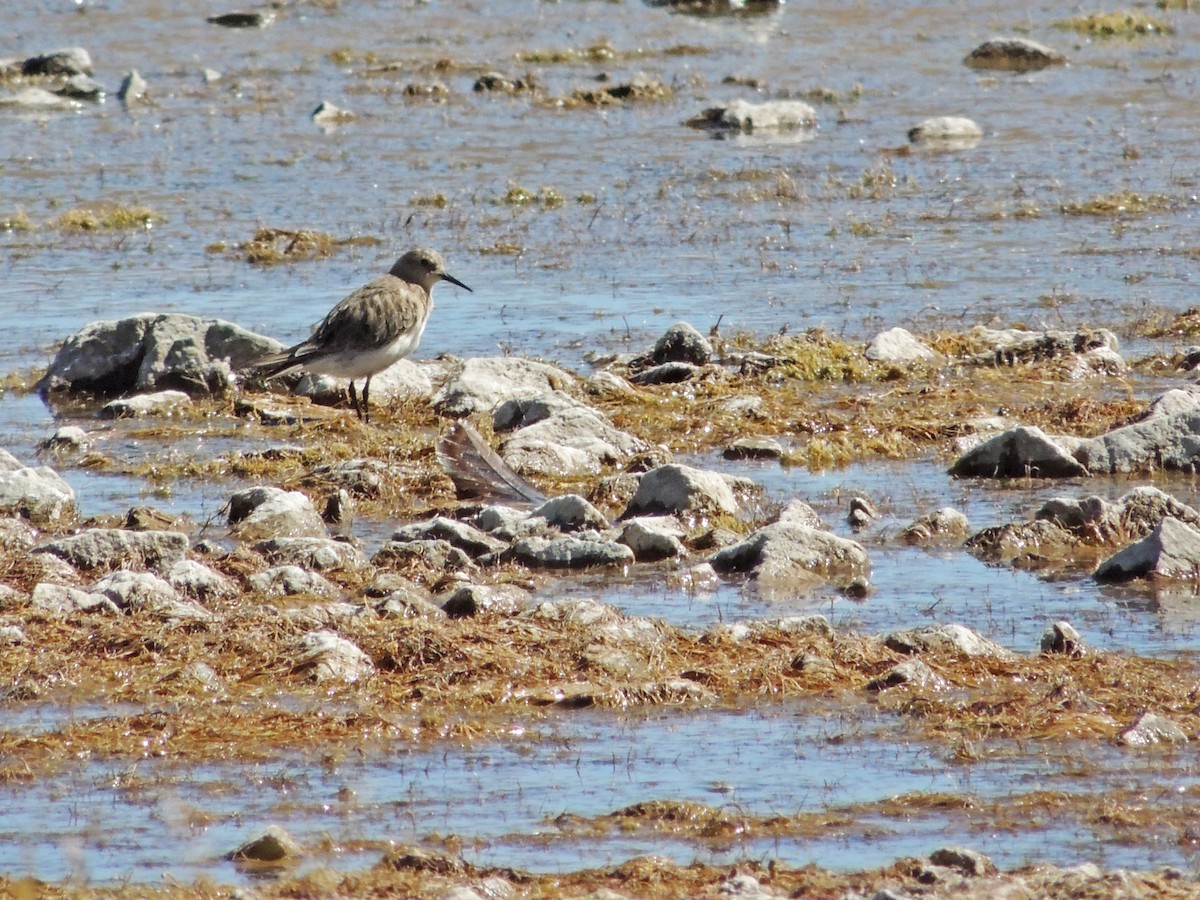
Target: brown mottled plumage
point(372, 328)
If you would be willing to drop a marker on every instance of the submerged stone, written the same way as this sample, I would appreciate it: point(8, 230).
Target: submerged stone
point(1013, 55)
point(1023, 452)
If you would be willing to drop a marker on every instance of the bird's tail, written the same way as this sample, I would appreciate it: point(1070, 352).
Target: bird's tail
point(273, 365)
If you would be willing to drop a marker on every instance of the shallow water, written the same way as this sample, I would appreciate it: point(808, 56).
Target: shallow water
point(760, 233)
point(148, 820)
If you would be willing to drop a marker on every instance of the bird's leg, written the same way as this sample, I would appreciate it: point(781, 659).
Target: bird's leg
point(366, 394)
point(354, 399)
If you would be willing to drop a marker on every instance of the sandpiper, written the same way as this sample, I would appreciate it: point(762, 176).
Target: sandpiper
point(372, 328)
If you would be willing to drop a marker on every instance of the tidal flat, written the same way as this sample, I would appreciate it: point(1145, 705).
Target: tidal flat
point(786, 625)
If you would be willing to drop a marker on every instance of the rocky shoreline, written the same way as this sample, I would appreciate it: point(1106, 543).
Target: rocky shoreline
point(439, 634)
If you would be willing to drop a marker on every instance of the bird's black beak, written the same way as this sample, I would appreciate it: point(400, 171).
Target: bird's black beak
point(453, 280)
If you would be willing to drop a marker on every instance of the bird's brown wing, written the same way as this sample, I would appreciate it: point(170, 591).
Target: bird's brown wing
point(367, 319)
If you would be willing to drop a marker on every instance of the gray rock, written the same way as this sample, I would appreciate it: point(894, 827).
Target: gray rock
point(328, 615)
point(970, 862)
point(440, 556)
point(1081, 517)
point(681, 489)
point(1062, 638)
point(754, 448)
point(899, 346)
point(273, 846)
point(17, 536)
point(952, 638)
point(290, 580)
point(672, 373)
point(62, 599)
point(11, 635)
point(1013, 346)
point(142, 592)
point(771, 115)
point(1031, 542)
point(790, 557)
point(570, 553)
point(1159, 442)
point(861, 514)
point(81, 87)
point(361, 477)
point(1023, 452)
point(38, 494)
point(68, 61)
point(497, 518)
point(746, 887)
point(151, 352)
point(239, 19)
point(36, 98)
point(160, 403)
point(327, 656)
point(1013, 55)
point(946, 133)
point(65, 438)
point(797, 512)
point(315, 553)
point(133, 88)
point(581, 611)
point(106, 548)
point(326, 115)
point(1150, 729)
point(946, 525)
point(1170, 551)
point(199, 581)
point(748, 406)
point(1175, 402)
point(652, 539)
point(913, 672)
point(338, 511)
point(474, 599)
point(573, 440)
point(480, 384)
point(682, 343)
point(495, 82)
point(403, 379)
point(470, 540)
point(570, 513)
point(608, 384)
point(522, 411)
point(408, 605)
point(268, 512)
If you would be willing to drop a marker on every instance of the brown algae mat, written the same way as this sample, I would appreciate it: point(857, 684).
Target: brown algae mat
point(237, 686)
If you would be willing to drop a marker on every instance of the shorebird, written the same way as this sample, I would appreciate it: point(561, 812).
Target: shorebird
point(372, 328)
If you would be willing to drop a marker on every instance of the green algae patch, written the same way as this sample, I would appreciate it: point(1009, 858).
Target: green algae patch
point(518, 196)
point(603, 51)
point(272, 246)
point(18, 221)
point(1125, 24)
point(1123, 203)
point(106, 217)
point(637, 91)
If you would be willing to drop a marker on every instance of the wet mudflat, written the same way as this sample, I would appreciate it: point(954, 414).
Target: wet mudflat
point(562, 738)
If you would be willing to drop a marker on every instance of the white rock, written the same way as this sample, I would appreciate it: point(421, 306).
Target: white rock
point(39, 494)
point(1170, 551)
point(681, 489)
point(946, 637)
point(160, 403)
point(480, 384)
point(787, 557)
point(327, 656)
point(946, 132)
point(898, 345)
